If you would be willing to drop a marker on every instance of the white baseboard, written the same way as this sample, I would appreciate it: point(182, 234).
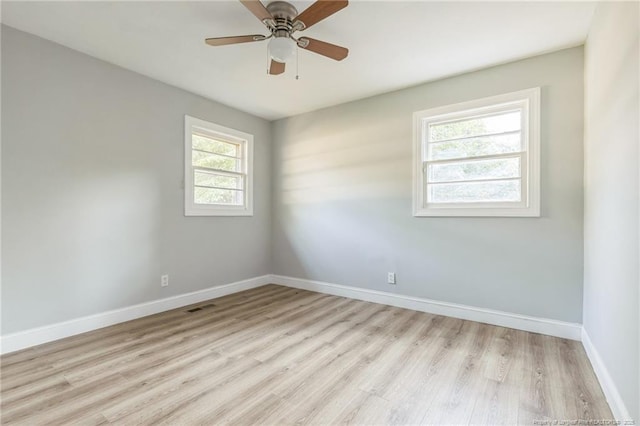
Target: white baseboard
point(549, 327)
point(609, 388)
point(36, 336)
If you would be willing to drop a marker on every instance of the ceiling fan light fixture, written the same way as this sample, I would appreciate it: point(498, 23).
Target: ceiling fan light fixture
point(282, 49)
point(282, 20)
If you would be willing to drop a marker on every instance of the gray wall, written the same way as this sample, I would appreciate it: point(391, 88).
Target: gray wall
point(92, 204)
point(612, 246)
point(342, 199)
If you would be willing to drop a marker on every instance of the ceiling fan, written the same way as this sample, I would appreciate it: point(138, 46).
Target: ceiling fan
point(282, 20)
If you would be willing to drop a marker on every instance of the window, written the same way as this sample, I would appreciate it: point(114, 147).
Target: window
point(479, 158)
point(218, 170)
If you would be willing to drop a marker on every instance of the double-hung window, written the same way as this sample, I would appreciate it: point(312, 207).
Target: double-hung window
point(218, 170)
point(479, 158)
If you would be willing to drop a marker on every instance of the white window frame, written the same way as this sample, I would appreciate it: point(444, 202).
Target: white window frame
point(245, 140)
point(529, 101)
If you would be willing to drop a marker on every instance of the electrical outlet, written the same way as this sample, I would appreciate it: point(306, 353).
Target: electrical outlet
point(164, 281)
point(391, 278)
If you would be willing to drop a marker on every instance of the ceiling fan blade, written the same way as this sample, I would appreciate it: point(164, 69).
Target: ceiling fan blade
point(221, 41)
point(257, 8)
point(323, 48)
point(320, 10)
point(276, 67)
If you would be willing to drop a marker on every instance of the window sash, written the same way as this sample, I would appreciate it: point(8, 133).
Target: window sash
point(241, 159)
point(240, 164)
point(242, 171)
point(215, 153)
point(527, 101)
point(239, 194)
point(219, 187)
point(484, 135)
point(217, 171)
point(242, 179)
point(210, 170)
point(492, 179)
point(523, 178)
point(429, 123)
point(462, 116)
point(476, 158)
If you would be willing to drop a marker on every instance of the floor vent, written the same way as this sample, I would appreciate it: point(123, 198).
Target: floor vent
point(199, 308)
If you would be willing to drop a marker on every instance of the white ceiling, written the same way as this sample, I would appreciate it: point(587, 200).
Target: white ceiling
point(392, 44)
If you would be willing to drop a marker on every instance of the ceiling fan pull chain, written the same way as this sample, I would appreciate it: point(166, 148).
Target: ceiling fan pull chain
point(297, 74)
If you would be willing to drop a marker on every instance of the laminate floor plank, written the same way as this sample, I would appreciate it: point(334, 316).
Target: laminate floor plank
point(179, 324)
point(323, 394)
point(278, 356)
point(171, 397)
point(535, 403)
point(498, 403)
point(50, 352)
point(462, 398)
point(364, 409)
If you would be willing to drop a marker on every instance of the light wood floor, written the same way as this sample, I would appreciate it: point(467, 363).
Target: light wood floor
point(276, 355)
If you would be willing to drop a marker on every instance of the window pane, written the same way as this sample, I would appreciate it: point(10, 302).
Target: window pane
point(215, 146)
point(213, 161)
point(469, 192)
point(475, 169)
point(220, 181)
point(475, 147)
point(504, 122)
point(217, 196)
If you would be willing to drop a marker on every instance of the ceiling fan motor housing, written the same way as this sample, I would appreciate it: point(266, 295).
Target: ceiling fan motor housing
point(283, 15)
